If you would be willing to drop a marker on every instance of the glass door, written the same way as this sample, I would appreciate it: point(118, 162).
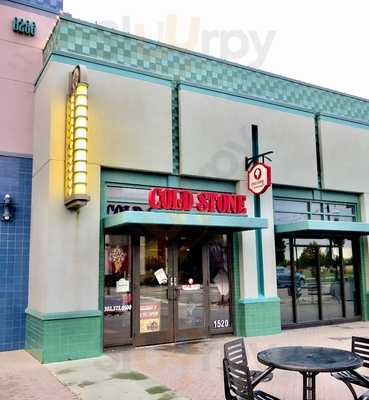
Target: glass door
point(191, 289)
point(330, 264)
point(306, 283)
point(153, 290)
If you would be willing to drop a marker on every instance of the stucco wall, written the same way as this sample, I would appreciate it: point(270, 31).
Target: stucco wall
point(221, 128)
point(129, 127)
point(129, 120)
point(20, 63)
point(344, 153)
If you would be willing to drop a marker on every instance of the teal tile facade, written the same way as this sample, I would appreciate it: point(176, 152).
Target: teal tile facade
point(101, 44)
point(252, 317)
point(52, 340)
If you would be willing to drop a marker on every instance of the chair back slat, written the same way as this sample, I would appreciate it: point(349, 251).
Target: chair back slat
point(239, 381)
point(360, 346)
point(235, 351)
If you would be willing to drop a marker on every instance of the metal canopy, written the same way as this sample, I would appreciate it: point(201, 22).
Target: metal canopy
point(227, 222)
point(312, 227)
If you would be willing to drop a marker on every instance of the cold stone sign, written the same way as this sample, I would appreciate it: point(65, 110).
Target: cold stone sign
point(186, 200)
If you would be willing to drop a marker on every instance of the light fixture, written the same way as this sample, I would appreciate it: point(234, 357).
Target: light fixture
point(8, 208)
point(76, 140)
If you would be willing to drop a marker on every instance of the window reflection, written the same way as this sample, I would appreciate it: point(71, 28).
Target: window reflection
point(284, 279)
point(307, 305)
point(154, 270)
point(322, 285)
point(118, 290)
point(330, 280)
point(289, 211)
point(219, 290)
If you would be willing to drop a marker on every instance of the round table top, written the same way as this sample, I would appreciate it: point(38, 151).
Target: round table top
point(313, 359)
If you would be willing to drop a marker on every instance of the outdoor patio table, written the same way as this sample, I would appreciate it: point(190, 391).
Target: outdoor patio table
point(309, 361)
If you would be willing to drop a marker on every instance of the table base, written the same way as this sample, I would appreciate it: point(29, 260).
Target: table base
point(309, 386)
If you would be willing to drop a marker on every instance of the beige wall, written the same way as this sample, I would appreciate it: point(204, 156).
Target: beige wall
point(64, 254)
point(221, 129)
point(345, 156)
point(129, 120)
point(129, 127)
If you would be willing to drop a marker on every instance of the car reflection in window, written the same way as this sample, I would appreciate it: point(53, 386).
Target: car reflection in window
point(284, 280)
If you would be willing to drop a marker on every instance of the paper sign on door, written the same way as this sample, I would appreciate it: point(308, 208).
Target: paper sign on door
point(161, 276)
point(123, 286)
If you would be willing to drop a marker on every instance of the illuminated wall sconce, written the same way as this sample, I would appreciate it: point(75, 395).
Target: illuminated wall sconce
point(76, 141)
point(8, 208)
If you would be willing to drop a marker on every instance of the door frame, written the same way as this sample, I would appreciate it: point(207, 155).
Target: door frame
point(173, 334)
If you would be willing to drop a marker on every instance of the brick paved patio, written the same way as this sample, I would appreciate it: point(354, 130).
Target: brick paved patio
point(194, 370)
point(183, 371)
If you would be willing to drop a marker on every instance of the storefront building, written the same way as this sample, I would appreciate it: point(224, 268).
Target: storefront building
point(144, 229)
point(25, 27)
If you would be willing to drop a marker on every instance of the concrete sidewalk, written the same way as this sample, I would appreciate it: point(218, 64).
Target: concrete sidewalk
point(109, 379)
point(24, 378)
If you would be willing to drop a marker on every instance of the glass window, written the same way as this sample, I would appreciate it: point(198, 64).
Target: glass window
point(330, 283)
point(154, 271)
point(341, 209)
point(316, 207)
point(284, 279)
point(340, 218)
point(351, 302)
point(190, 284)
point(287, 211)
point(307, 304)
point(285, 218)
point(312, 242)
point(219, 290)
point(291, 206)
point(118, 290)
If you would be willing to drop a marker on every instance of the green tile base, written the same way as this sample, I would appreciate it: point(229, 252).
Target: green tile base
point(68, 338)
point(258, 317)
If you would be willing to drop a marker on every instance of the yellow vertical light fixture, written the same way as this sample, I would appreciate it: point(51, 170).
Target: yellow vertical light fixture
point(76, 140)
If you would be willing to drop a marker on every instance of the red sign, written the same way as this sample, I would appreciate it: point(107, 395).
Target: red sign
point(186, 200)
point(259, 178)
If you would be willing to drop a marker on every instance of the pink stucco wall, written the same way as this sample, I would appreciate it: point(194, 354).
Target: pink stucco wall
point(20, 64)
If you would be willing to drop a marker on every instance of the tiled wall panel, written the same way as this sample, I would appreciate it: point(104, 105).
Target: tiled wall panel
point(15, 179)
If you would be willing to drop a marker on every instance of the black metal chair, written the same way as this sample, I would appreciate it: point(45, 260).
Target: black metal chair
point(235, 351)
point(359, 346)
point(364, 396)
point(238, 384)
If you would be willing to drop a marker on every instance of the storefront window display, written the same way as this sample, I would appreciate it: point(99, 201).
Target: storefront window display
point(118, 290)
